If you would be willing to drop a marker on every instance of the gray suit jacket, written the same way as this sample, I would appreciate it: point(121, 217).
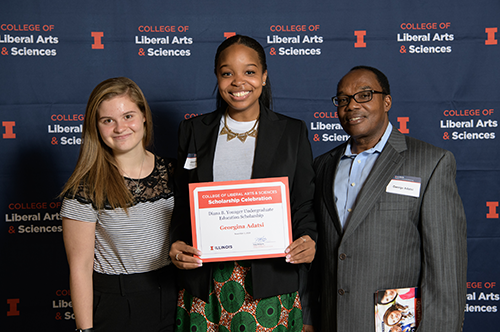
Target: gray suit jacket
point(391, 240)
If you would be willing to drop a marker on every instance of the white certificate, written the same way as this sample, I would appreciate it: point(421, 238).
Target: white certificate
point(237, 220)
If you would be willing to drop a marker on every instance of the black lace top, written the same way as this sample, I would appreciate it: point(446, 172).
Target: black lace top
point(158, 184)
point(136, 241)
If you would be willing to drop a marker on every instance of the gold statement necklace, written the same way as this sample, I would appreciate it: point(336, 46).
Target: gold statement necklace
point(243, 136)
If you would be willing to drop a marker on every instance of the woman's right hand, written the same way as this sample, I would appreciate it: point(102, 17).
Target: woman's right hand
point(184, 256)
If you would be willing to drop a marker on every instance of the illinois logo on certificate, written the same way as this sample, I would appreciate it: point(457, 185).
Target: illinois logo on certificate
point(235, 220)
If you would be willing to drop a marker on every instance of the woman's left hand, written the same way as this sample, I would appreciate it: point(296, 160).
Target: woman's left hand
point(308, 328)
point(301, 250)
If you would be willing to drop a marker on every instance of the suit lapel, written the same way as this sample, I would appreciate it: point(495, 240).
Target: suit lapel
point(385, 168)
point(205, 139)
point(328, 186)
point(270, 131)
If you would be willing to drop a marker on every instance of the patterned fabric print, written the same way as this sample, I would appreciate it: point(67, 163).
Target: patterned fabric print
point(231, 306)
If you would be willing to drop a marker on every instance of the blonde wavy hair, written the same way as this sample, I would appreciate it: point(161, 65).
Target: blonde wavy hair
point(96, 169)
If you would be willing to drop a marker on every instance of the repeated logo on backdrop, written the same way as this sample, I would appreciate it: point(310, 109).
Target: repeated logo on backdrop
point(33, 218)
point(97, 35)
point(61, 304)
point(8, 129)
point(65, 129)
point(294, 40)
point(491, 36)
point(492, 210)
point(421, 39)
point(481, 298)
point(163, 41)
point(28, 40)
point(469, 124)
point(425, 38)
point(308, 39)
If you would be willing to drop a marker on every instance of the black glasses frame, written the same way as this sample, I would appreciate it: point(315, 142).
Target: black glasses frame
point(336, 101)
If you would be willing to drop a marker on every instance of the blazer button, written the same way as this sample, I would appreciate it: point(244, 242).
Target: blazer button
point(341, 291)
point(342, 256)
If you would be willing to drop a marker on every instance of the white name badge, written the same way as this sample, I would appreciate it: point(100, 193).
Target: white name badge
point(404, 185)
point(190, 161)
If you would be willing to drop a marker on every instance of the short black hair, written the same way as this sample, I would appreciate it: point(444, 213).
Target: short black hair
point(381, 78)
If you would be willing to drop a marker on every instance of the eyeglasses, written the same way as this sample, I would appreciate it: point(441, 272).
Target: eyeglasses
point(360, 97)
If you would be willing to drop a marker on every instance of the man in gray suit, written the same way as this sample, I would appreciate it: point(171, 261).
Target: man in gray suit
point(389, 216)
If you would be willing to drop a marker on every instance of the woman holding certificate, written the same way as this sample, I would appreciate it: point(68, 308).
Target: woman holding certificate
point(243, 139)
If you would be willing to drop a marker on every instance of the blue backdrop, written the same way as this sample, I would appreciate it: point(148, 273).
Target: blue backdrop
point(441, 56)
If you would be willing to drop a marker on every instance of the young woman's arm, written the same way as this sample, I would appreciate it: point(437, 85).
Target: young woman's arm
point(79, 239)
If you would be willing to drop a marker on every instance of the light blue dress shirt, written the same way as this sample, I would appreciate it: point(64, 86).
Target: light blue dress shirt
point(351, 174)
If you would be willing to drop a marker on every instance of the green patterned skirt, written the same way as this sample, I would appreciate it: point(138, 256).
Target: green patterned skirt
point(231, 306)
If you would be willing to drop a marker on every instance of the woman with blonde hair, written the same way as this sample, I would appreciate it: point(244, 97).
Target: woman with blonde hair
point(116, 217)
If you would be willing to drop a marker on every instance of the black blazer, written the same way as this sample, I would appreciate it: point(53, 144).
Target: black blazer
point(282, 149)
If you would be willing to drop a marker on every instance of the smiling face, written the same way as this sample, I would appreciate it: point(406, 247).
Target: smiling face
point(121, 124)
point(240, 78)
point(365, 122)
point(389, 295)
point(394, 317)
point(396, 328)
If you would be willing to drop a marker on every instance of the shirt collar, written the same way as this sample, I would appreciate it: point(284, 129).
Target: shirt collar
point(377, 148)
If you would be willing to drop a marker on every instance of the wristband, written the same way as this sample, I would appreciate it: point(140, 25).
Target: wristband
point(86, 330)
